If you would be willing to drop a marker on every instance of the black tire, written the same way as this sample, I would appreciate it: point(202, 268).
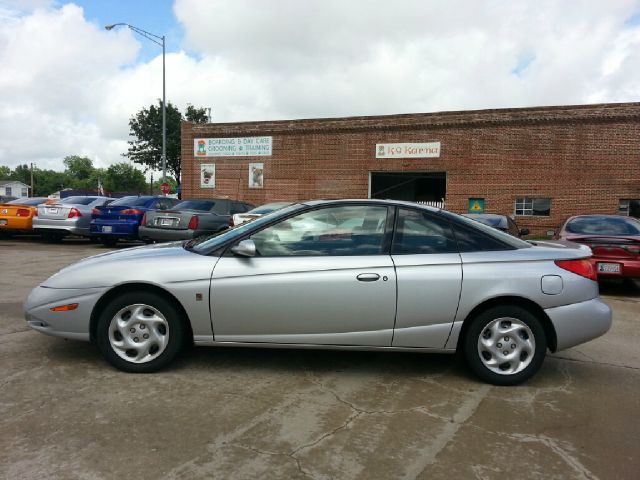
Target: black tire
point(106, 329)
point(109, 241)
point(52, 237)
point(518, 356)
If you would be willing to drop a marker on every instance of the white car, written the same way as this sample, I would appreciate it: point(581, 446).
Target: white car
point(240, 218)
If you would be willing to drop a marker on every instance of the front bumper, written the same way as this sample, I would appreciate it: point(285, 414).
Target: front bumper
point(579, 322)
point(72, 324)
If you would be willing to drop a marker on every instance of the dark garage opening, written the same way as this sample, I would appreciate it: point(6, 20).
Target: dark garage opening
point(409, 186)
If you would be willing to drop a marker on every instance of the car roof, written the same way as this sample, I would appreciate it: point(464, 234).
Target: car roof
point(373, 201)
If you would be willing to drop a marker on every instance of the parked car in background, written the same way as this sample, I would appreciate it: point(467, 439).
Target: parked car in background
point(6, 198)
point(240, 218)
point(614, 241)
point(17, 215)
point(500, 222)
point(359, 274)
point(190, 219)
point(121, 218)
point(68, 216)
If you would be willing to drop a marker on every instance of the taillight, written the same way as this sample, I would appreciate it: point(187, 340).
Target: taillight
point(582, 267)
point(193, 223)
point(131, 211)
point(144, 219)
point(22, 212)
point(95, 212)
point(74, 212)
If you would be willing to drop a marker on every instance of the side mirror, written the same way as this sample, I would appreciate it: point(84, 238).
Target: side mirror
point(246, 248)
point(524, 232)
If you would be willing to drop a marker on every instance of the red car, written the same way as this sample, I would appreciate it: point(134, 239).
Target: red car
point(614, 240)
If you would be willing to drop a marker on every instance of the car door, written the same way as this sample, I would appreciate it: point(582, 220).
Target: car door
point(429, 276)
point(323, 276)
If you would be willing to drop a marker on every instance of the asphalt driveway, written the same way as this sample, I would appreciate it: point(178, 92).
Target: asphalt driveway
point(247, 413)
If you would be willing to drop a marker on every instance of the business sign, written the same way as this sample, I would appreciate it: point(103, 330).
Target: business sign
point(232, 147)
point(256, 175)
point(408, 150)
point(476, 205)
point(208, 176)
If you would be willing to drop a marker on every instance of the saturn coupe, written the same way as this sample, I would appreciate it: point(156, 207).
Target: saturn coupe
point(341, 274)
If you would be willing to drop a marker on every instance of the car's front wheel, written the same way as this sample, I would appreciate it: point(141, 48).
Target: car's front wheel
point(140, 332)
point(505, 345)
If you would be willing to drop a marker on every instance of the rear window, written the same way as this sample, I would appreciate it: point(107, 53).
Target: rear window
point(268, 208)
point(474, 236)
point(28, 201)
point(603, 226)
point(204, 205)
point(131, 202)
point(79, 200)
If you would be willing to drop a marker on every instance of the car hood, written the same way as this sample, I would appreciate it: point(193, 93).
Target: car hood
point(154, 264)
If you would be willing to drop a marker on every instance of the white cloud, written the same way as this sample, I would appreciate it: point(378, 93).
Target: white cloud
point(69, 87)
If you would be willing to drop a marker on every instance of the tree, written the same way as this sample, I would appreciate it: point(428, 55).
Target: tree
point(78, 167)
point(146, 128)
point(5, 173)
point(123, 177)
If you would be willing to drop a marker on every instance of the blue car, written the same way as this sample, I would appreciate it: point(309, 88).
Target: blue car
point(121, 219)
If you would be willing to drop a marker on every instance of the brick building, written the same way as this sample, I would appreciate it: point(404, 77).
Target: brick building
point(539, 164)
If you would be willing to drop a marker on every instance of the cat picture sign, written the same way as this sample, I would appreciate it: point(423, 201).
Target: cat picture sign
point(256, 175)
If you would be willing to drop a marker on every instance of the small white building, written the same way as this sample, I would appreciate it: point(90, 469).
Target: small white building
point(13, 188)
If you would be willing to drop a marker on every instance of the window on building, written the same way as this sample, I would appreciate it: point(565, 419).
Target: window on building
point(536, 207)
point(8, 190)
point(630, 208)
point(25, 192)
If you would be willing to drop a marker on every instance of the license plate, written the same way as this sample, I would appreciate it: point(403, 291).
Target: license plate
point(52, 210)
point(107, 229)
point(608, 268)
point(166, 222)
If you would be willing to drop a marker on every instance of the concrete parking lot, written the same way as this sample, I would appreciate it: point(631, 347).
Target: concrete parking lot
point(247, 413)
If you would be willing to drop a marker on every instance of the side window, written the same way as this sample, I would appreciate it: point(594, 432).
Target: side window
point(472, 240)
point(8, 191)
point(345, 230)
point(237, 207)
point(419, 233)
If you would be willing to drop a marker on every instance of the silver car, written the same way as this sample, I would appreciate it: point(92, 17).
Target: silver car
point(69, 216)
point(344, 274)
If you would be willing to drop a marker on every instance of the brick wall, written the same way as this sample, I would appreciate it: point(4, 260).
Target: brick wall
point(585, 158)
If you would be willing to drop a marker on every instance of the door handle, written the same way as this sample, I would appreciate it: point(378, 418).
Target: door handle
point(368, 277)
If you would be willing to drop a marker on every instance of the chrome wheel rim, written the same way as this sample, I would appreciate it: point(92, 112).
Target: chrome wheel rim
point(139, 333)
point(506, 346)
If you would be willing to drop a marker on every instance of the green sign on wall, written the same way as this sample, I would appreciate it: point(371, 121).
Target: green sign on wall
point(476, 205)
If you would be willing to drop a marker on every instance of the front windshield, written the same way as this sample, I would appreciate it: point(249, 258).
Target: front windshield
point(594, 225)
point(205, 244)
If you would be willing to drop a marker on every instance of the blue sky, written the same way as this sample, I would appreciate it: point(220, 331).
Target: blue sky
point(69, 87)
point(155, 16)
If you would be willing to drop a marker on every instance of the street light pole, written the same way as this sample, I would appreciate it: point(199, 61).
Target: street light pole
point(158, 41)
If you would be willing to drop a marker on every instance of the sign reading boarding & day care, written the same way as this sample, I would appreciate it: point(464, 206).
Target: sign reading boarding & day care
point(232, 147)
point(408, 150)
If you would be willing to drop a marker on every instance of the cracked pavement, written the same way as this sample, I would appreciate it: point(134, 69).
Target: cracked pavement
point(249, 413)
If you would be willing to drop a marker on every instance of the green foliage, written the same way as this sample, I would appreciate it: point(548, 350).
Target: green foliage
point(5, 173)
point(146, 129)
point(123, 177)
point(80, 168)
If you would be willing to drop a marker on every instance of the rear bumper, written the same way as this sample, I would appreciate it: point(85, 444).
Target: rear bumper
point(579, 322)
point(69, 225)
point(628, 268)
point(166, 234)
point(118, 229)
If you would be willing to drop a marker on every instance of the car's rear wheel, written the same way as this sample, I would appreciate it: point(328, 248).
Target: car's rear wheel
point(505, 345)
point(140, 332)
point(108, 241)
point(52, 237)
